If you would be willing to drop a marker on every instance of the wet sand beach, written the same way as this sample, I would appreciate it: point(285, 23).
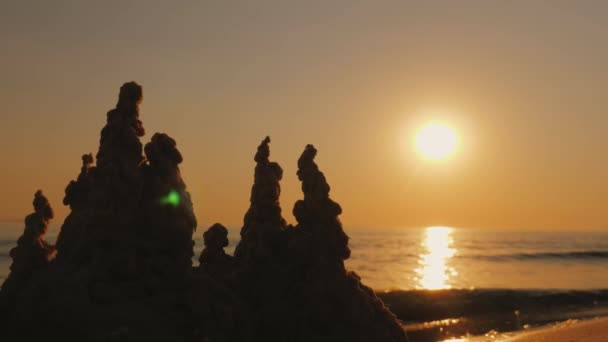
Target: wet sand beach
point(595, 330)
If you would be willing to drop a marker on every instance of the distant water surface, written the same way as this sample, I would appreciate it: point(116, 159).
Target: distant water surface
point(443, 258)
point(449, 258)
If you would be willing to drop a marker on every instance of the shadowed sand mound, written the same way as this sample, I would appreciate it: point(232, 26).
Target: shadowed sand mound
point(122, 268)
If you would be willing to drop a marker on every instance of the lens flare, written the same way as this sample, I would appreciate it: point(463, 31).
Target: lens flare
point(172, 198)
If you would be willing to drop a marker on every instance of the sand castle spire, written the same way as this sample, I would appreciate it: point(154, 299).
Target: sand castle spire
point(166, 221)
point(215, 239)
point(77, 191)
point(77, 197)
point(117, 185)
point(32, 252)
point(213, 259)
point(123, 129)
point(263, 223)
point(317, 213)
point(325, 293)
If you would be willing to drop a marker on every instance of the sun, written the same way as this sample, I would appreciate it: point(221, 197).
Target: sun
point(436, 141)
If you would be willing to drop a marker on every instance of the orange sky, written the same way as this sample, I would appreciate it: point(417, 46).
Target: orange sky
point(522, 82)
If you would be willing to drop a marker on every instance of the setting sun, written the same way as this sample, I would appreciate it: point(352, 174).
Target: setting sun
point(436, 141)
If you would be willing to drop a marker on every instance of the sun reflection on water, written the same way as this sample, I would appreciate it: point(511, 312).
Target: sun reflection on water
point(435, 272)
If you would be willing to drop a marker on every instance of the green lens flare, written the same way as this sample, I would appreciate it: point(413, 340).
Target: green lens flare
point(172, 198)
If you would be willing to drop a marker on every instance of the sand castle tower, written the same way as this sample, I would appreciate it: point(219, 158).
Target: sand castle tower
point(317, 214)
point(213, 259)
point(166, 218)
point(262, 232)
point(77, 197)
point(333, 303)
point(32, 253)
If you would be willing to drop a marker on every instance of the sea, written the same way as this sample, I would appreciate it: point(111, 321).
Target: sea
point(447, 282)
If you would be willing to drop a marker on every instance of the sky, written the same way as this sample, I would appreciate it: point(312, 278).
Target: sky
point(522, 83)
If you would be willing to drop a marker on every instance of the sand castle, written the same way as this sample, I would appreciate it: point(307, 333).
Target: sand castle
point(123, 266)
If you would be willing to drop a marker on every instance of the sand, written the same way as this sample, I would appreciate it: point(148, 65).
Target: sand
point(595, 330)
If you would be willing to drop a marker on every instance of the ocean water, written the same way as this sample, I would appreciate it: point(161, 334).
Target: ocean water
point(451, 258)
point(448, 258)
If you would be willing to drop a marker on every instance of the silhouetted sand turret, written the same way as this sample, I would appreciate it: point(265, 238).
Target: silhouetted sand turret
point(77, 197)
point(167, 221)
point(324, 301)
point(76, 193)
point(32, 254)
point(215, 238)
point(213, 258)
point(116, 191)
point(261, 235)
point(317, 214)
point(32, 251)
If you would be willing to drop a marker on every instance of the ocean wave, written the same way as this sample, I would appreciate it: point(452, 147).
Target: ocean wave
point(574, 255)
point(427, 305)
point(433, 315)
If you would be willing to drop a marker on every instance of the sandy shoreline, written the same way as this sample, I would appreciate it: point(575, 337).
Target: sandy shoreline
point(594, 330)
